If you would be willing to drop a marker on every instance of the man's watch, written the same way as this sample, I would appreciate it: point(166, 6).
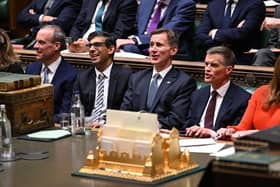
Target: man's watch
point(135, 40)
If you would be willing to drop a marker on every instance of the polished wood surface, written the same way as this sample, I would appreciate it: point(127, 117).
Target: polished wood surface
point(251, 76)
point(65, 156)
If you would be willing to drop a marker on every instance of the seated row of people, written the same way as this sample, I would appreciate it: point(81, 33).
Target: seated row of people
point(235, 24)
point(164, 90)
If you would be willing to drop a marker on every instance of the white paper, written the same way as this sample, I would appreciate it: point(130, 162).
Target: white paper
point(196, 142)
point(49, 134)
point(129, 55)
point(204, 148)
point(224, 152)
point(269, 3)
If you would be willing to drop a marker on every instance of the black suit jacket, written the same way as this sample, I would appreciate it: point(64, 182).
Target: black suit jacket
point(66, 12)
point(86, 84)
point(231, 111)
point(119, 18)
point(172, 101)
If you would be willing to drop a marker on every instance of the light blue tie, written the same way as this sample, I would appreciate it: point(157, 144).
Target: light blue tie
point(46, 74)
point(153, 90)
point(99, 14)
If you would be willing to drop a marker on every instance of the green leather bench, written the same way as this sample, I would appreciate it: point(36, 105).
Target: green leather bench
point(4, 11)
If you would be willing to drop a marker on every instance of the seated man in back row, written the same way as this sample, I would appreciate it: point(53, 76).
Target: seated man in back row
point(116, 17)
point(163, 90)
point(50, 40)
point(176, 15)
point(222, 102)
point(40, 12)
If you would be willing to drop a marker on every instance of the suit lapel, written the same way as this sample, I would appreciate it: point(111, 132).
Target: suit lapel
point(149, 7)
point(239, 6)
point(168, 80)
point(203, 102)
point(59, 72)
point(143, 93)
point(225, 106)
point(112, 86)
point(92, 7)
point(109, 10)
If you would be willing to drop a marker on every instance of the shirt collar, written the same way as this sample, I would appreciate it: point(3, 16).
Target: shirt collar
point(53, 66)
point(222, 90)
point(163, 72)
point(166, 2)
point(106, 72)
point(234, 1)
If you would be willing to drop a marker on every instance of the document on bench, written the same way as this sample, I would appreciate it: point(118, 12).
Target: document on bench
point(200, 145)
point(49, 134)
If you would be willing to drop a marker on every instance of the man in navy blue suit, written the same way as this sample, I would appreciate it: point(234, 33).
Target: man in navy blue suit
point(101, 50)
point(56, 12)
point(238, 30)
point(163, 90)
point(117, 18)
point(177, 15)
point(52, 67)
point(231, 100)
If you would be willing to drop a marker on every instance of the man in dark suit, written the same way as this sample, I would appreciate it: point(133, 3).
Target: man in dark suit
point(231, 100)
point(163, 90)
point(118, 18)
point(56, 12)
point(52, 67)
point(267, 56)
point(236, 26)
point(102, 47)
point(177, 15)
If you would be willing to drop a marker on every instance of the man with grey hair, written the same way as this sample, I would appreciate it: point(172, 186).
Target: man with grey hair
point(163, 89)
point(221, 103)
point(52, 67)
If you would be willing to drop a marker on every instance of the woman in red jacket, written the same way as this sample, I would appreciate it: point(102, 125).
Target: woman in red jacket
point(263, 110)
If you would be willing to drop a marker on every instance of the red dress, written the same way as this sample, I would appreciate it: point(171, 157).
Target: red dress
point(255, 117)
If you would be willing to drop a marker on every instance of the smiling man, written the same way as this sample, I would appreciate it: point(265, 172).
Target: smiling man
point(163, 90)
point(103, 85)
point(222, 102)
point(52, 67)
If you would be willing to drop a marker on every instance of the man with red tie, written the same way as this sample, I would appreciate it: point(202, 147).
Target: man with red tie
point(222, 102)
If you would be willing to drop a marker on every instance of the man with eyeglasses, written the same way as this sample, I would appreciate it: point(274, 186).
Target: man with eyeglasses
point(163, 89)
point(221, 103)
point(103, 85)
point(50, 40)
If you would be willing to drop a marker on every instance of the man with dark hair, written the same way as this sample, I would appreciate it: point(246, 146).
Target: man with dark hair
point(163, 90)
point(222, 102)
point(103, 85)
point(52, 67)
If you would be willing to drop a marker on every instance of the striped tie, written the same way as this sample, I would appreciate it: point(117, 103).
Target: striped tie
point(46, 75)
point(99, 102)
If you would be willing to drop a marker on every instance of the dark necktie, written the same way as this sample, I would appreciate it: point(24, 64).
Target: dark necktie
point(153, 90)
point(48, 6)
point(209, 116)
point(99, 14)
point(99, 102)
point(156, 18)
point(227, 17)
point(46, 74)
